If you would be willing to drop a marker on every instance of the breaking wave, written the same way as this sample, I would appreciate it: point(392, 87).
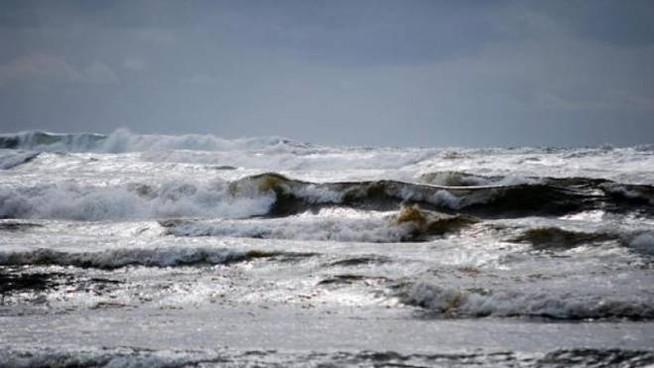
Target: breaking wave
point(122, 140)
point(539, 198)
point(131, 201)
point(275, 195)
point(536, 234)
point(410, 224)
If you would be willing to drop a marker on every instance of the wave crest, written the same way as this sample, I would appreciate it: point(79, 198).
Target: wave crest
point(274, 195)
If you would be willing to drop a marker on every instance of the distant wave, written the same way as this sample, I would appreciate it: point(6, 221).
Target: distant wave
point(122, 140)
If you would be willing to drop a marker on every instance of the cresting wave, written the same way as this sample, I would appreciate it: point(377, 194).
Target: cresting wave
point(154, 257)
point(546, 197)
point(275, 195)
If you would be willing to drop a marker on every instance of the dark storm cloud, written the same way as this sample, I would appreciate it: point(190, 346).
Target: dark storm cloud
point(354, 72)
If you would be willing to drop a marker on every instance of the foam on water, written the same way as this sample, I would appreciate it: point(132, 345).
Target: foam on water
point(407, 225)
point(133, 358)
point(132, 201)
point(274, 194)
point(625, 165)
point(374, 247)
point(10, 158)
point(116, 258)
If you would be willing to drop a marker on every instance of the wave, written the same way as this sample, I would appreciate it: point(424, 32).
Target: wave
point(122, 140)
point(409, 224)
point(294, 196)
point(44, 141)
point(130, 201)
point(556, 238)
point(635, 193)
point(462, 303)
point(154, 257)
point(274, 195)
point(540, 198)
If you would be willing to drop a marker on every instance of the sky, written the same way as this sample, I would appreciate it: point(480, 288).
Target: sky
point(350, 72)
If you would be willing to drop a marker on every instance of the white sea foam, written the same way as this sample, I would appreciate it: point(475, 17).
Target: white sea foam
point(170, 199)
point(116, 258)
point(375, 229)
point(123, 140)
point(107, 358)
point(125, 357)
point(12, 158)
point(304, 241)
point(511, 166)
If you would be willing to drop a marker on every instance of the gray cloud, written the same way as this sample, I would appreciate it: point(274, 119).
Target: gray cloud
point(363, 72)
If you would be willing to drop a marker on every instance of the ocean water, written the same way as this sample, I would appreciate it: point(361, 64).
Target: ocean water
point(128, 250)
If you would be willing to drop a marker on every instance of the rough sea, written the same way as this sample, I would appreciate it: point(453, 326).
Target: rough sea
point(128, 250)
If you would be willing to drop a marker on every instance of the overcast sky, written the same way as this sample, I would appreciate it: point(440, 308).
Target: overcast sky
point(354, 72)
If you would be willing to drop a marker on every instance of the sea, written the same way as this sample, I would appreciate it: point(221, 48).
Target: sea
point(132, 250)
